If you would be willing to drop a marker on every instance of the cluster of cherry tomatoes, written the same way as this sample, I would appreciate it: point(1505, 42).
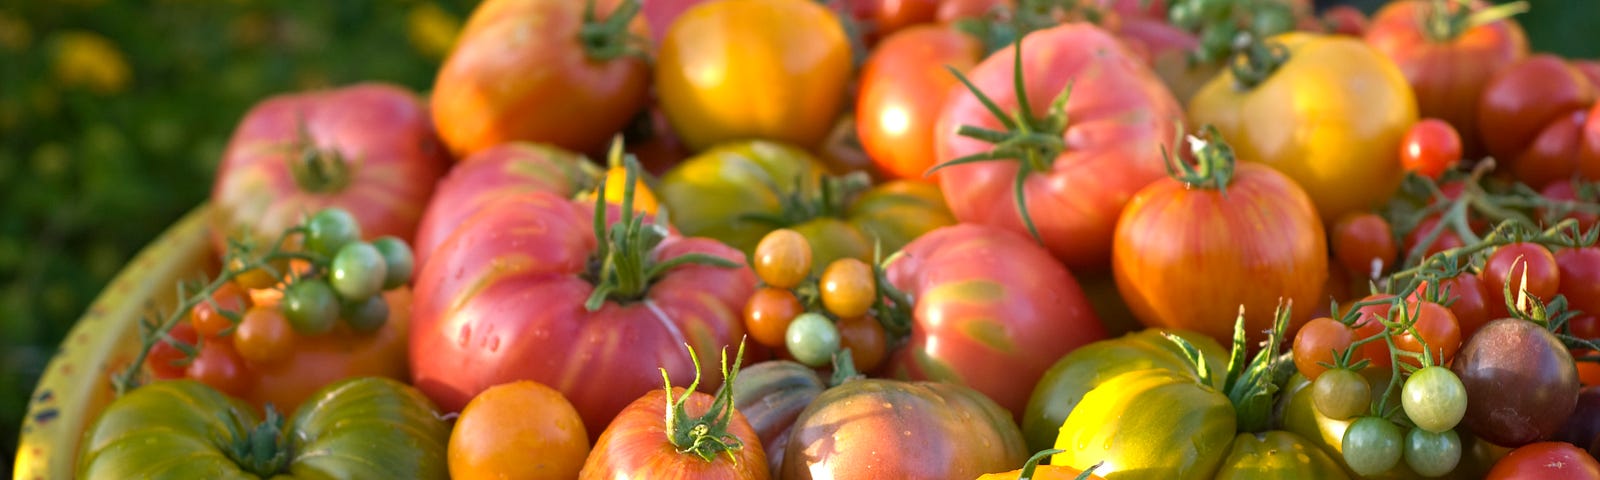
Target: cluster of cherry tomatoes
point(783, 313)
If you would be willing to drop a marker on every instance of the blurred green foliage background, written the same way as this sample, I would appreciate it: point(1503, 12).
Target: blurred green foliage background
point(113, 114)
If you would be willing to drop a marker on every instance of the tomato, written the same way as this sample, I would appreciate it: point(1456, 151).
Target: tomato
point(341, 353)
point(1347, 161)
point(990, 309)
point(812, 338)
point(1316, 344)
point(738, 192)
point(1372, 445)
point(1183, 428)
point(218, 365)
point(1566, 191)
point(1341, 394)
point(885, 17)
point(264, 336)
point(311, 306)
point(1540, 96)
point(1521, 382)
point(1434, 399)
point(1116, 117)
point(867, 341)
point(716, 54)
point(330, 229)
point(1447, 239)
point(1062, 387)
point(374, 427)
point(1435, 326)
point(866, 429)
point(849, 287)
point(903, 86)
point(1189, 253)
point(1546, 460)
point(771, 395)
point(1579, 272)
point(166, 360)
point(1447, 63)
point(210, 318)
point(767, 315)
point(1509, 265)
point(369, 149)
point(365, 316)
point(398, 260)
point(358, 271)
point(1346, 20)
point(1589, 154)
point(1583, 427)
point(493, 435)
point(783, 258)
point(952, 10)
point(1430, 148)
point(1363, 244)
point(503, 299)
point(587, 68)
point(1276, 454)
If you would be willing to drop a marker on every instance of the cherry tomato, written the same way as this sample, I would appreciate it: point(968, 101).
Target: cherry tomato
point(398, 261)
point(1316, 343)
point(1364, 244)
point(1546, 460)
point(1564, 191)
point(1434, 399)
point(311, 306)
point(812, 339)
point(1430, 147)
point(767, 315)
point(358, 271)
point(495, 434)
point(1370, 324)
point(1432, 454)
point(1341, 394)
point(1372, 445)
point(256, 278)
point(1506, 266)
point(1437, 328)
point(219, 366)
point(365, 316)
point(167, 361)
point(783, 258)
point(868, 343)
point(1465, 295)
point(329, 230)
point(1579, 269)
point(264, 336)
point(1446, 240)
point(848, 287)
point(210, 318)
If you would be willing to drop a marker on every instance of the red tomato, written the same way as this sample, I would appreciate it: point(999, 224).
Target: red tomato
point(1117, 117)
point(1447, 70)
point(1589, 154)
point(207, 317)
point(1546, 460)
point(882, 18)
point(1368, 324)
point(497, 172)
point(1566, 191)
point(1579, 271)
point(369, 149)
point(992, 311)
point(1436, 326)
point(1346, 20)
point(167, 361)
point(1430, 147)
point(1464, 293)
point(220, 367)
point(637, 444)
point(1364, 244)
point(1317, 342)
point(530, 70)
point(503, 299)
point(1522, 101)
point(1506, 266)
point(1554, 155)
point(903, 86)
point(1446, 240)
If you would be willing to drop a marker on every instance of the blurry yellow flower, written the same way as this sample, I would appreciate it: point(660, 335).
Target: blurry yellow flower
point(15, 35)
point(88, 60)
point(432, 30)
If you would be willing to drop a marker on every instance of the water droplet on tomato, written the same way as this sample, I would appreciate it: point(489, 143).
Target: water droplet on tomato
point(465, 337)
point(494, 344)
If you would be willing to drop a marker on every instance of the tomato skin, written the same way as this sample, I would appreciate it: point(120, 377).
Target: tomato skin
point(379, 427)
point(1346, 168)
point(1316, 343)
point(767, 315)
point(1564, 190)
point(1448, 75)
point(165, 360)
point(1506, 266)
point(496, 172)
point(796, 50)
point(886, 17)
point(209, 321)
point(1436, 326)
point(1467, 300)
point(1119, 116)
point(494, 433)
point(1546, 460)
point(636, 445)
point(1276, 454)
point(992, 311)
point(1359, 239)
point(219, 366)
point(1523, 99)
point(953, 10)
point(484, 96)
point(1589, 154)
point(1182, 429)
point(903, 86)
point(1189, 257)
point(317, 361)
point(380, 132)
point(1554, 153)
point(502, 300)
point(1579, 270)
point(862, 428)
point(867, 341)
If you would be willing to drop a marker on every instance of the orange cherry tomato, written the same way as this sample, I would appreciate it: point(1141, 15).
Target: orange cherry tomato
point(848, 288)
point(1316, 343)
point(167, 361)
point(520, 430)
point(264, 336)
point(767, 315)
point(865, 338)
point(783, 258)
point(207, 318)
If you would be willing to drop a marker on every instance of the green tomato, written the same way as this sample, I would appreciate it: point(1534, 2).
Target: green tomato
point(1341, 394)
point(365, 316)
point(1433, 454)
point(329, 230)
point(1153, 423)
point(1277, 454)
point(358, 271)
point(311, 306)
point(1372, 445)
point(398, 260)
point(369, 427)
point(812, 339)
point(1434, 399)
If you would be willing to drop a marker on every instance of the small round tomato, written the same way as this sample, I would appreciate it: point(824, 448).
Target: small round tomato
point(848, 287)
point(329, 230)
point(1316, 343)
point(1435, 326)
point(1341, 394)
point(210, 319)
point(1579, 269)
point(1430, 147)
point(219, 366)
point(496, 433)
point(868, 343)
point(1464, 293)
point(812, 339)
point(168, 361)
point(264, 336)
point(768, 313)
point(1508, 265)
point(398, 260)
point(1447, 239)
point(1546, 460)
point(1369, 324)
point(366, 315)
point(783, 258)
point(1364, 244)
point(1372, 445)
point(1433, 454)
point(1434, 399)
point(311, 306)
point(358, 271)
point(1566, 191)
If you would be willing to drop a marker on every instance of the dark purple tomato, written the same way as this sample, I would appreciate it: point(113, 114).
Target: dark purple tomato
point(1521, 382)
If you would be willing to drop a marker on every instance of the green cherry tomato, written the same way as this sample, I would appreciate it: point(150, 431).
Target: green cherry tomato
point(311, 306)
point(358, 271)
point(398, 259)
point(1340, 394)
point(1433, 454)
point(812, 339)
point(329, 230)
point(1434, 399)
point(1372, 445)
point(365, 316)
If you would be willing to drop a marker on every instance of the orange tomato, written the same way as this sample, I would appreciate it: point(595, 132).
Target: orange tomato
point(521, 430)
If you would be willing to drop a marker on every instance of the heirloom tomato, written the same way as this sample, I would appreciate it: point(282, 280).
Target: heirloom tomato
point(1448, 51)
point(988, 309)
point(903, 85)
point(369, 149)
point(499, 171)
point(743, 69)
point(1192, 250)
point(180, 429)
point(771, 395)
point(1546, 460)
point(495, 433)
point(564, 72)
point(1521, 382)
point(1531, 117)
point(1095, 117)
point(1330, 115)
point(738, 192)
point(875, 428)
point(529, 289)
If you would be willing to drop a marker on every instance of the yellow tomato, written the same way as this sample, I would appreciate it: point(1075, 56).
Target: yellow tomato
point(521, 430)
point(1331, 117)
point(747, 69)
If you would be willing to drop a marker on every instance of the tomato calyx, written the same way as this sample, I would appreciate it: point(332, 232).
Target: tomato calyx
point(1256, 62)
point(1218, 23)
point(316, 169)
point(1034, 142)
point(831, 199)
point(262, 451)
point(1032, 465)
point(1251, 387)
point(610, 39)
point(1446, 20)
point(1214, 161)
point(705, 436)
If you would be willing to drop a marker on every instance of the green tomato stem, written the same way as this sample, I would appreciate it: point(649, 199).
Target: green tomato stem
point(705, 436)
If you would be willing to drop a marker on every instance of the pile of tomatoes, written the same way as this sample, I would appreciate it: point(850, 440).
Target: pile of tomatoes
point(918, 239)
